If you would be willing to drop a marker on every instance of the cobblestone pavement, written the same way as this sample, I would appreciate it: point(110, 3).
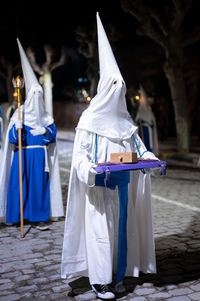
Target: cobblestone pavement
point(30, 266)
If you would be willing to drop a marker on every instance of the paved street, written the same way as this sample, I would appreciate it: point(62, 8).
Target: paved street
point(30, 266)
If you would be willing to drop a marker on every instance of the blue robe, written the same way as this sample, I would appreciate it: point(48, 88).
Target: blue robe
point(36, 192)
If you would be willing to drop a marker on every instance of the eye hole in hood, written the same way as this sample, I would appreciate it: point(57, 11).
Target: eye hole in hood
point(116, 81)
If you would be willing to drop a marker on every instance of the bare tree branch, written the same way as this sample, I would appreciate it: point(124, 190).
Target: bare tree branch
point(49, 56)
point(86, 41)
point(181, 8)
point(147, 16)
point(31, 56)
point(148, 29)
point(191, 38)
point(186, 7)
point(62, 59)
point(130, 7)
point(161, 20)
point(182, 5)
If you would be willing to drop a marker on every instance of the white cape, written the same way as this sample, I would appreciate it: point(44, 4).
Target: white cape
point(141, 251)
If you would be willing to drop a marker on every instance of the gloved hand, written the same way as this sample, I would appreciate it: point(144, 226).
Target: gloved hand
point(18, 124)
point(92, 170)
point(38, 131)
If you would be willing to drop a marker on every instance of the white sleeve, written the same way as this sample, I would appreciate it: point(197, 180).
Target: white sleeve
point(82, 157)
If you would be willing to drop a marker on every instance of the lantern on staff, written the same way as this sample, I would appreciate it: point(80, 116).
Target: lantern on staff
point(18, 84)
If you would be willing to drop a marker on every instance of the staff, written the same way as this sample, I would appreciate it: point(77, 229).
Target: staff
point(18, 83)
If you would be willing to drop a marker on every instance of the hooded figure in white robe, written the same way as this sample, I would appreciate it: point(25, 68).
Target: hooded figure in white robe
point(91, 227)
point(38, 143)
point(146, 122)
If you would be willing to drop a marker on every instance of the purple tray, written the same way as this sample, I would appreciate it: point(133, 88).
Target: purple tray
point(105, 167)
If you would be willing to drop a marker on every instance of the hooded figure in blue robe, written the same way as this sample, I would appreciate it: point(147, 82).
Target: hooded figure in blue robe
point(38, 168)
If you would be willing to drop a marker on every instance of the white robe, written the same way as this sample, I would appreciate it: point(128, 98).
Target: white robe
point(91, 227)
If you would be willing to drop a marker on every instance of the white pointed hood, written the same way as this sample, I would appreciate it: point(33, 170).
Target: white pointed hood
point(29, 76)
point(107, 62)
point(107, 113)
point(143, 97)
point(34, 113)
point(144, 111)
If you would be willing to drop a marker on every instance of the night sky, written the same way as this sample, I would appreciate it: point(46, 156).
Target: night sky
point(45, 22)
point(53, 22)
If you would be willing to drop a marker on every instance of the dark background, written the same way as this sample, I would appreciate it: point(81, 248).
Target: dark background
point(37, 23)
point(54, 23)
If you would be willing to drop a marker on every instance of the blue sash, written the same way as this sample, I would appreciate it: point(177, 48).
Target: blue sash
point(120, 179)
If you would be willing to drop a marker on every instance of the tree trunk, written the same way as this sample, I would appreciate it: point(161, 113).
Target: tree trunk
point(93, 84)
point(92, 74)
point(174, 73)
point(48, 92)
